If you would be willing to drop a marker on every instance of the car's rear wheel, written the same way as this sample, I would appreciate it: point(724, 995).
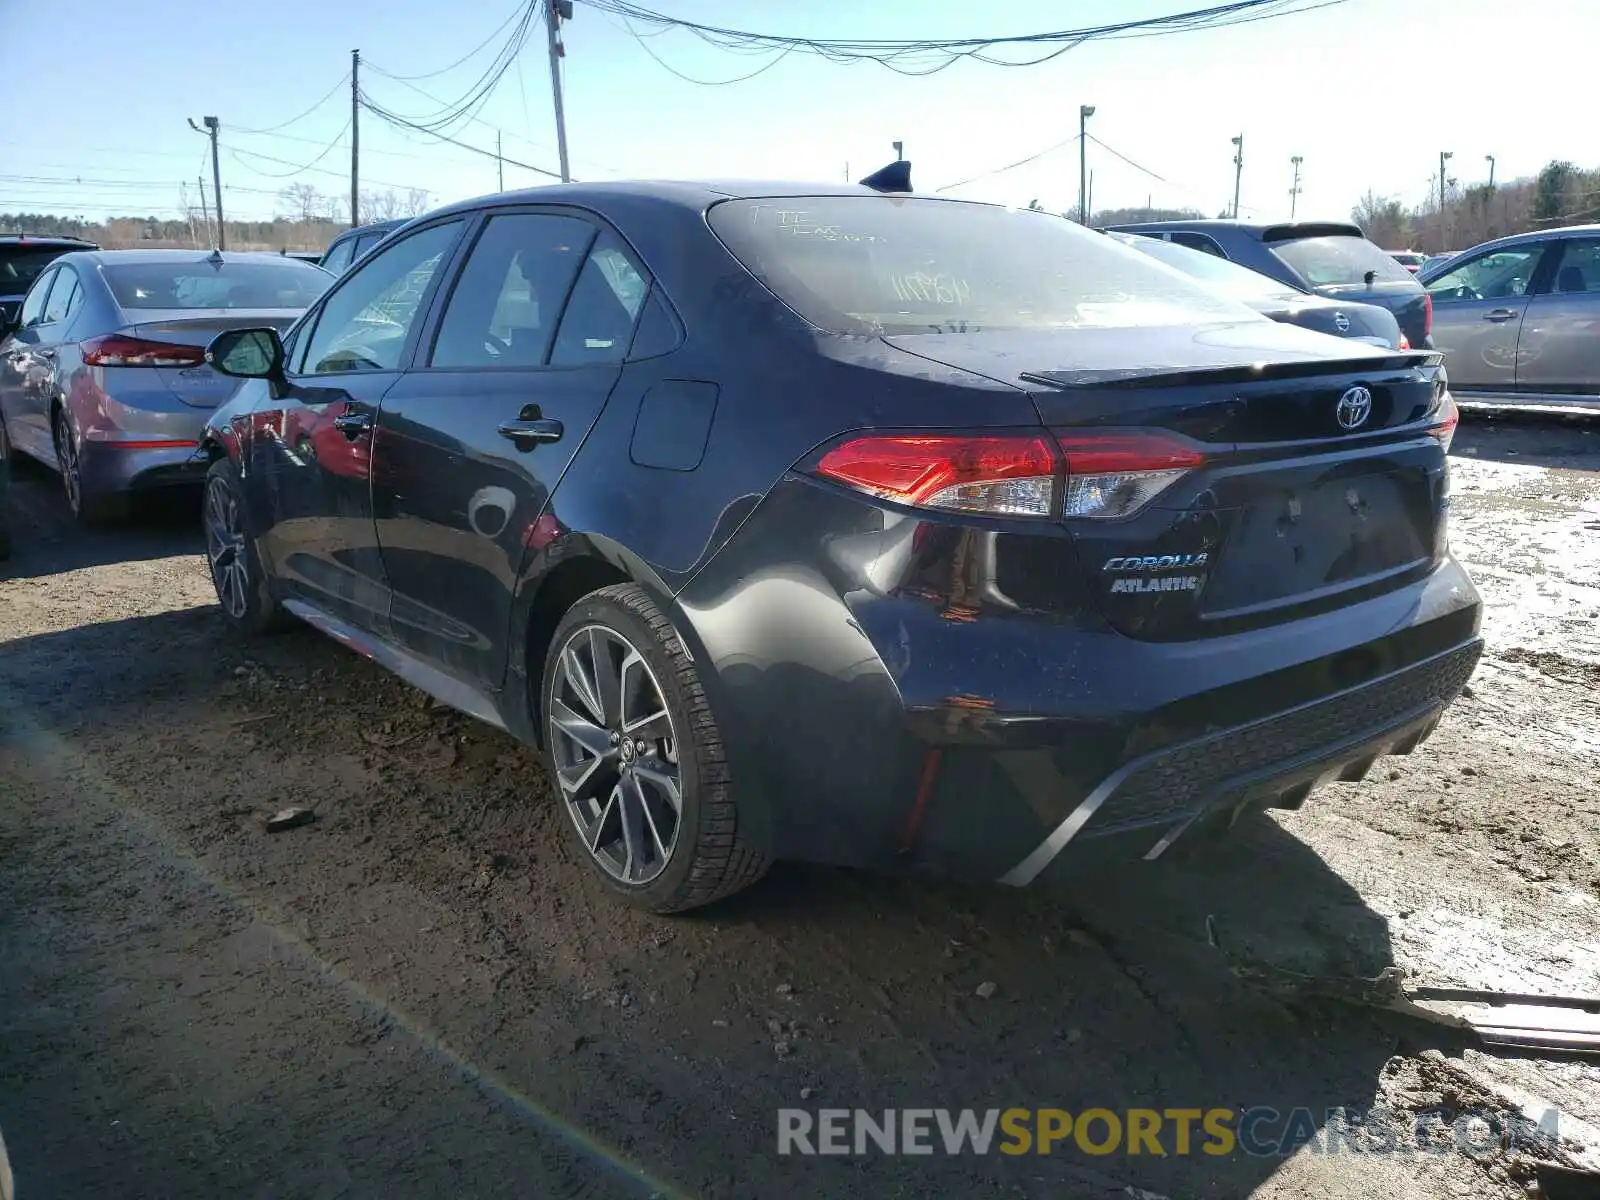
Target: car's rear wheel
point(90, 508)
point(636, 757)
point(242, 586)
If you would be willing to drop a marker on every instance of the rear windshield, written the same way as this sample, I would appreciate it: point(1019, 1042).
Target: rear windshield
point(1226, 277)
point(20, 266)
point(286, 284)
point(897, 264)
point(1337, 260)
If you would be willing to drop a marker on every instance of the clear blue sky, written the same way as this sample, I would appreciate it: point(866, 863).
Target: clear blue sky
point(1368, 91)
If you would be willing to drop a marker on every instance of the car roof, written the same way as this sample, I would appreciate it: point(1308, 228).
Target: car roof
point(1259, 230)
point(684, 193)
point(371, 227)
point(1537, 234)
point(28, 239)
point(116, 257)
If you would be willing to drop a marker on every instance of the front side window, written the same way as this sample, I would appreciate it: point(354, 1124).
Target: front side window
point(1499, 275)
point(366, 321)
point(505, 306)
point(66, 296)
point(899, 265)
point(33, 304)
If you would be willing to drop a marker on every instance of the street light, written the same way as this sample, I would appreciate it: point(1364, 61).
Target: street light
point(1489, 158)
point(899, 151)
point(1085, 111)
point(1444, 157)
point(1294, 190)
point(1238, 171)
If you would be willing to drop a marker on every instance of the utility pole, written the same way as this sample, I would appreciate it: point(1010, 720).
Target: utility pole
point(205, 212)
point(1238, 171)
point(1085, 111)
point(212, 128)
point(1444, 157)
point(1088, 202)
point(1490, 157)
point(555, 12)
point(1294, 190)
point(500, 163)
point(355, 138)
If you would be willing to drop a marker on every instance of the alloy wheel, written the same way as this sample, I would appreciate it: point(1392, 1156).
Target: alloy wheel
point(616, 756)
point(225, 548)
point(67, 461)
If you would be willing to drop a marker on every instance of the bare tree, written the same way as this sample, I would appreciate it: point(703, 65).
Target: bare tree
point(416, 202)
point(1384, 220)
point(303, 202)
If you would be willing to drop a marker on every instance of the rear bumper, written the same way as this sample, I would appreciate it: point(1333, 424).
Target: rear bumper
point(869, 723)
point(1275, 762)
point(107, 467)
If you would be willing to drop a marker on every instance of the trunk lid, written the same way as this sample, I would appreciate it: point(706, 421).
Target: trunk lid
point(1405, 299)
point(1289, 512)
point(200, 386)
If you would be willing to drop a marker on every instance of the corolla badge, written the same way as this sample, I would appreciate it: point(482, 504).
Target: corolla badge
point(1354, 407)
point(1341, 322)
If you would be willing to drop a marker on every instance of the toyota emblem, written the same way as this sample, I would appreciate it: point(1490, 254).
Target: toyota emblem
point(1355, 406)
point(1341, 322)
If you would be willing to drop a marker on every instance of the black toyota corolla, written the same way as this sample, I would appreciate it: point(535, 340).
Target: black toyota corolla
point(848, 525)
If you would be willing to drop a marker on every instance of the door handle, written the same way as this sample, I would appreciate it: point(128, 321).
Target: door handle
point(353, 424)
point(527, 434)
point(1499, 314)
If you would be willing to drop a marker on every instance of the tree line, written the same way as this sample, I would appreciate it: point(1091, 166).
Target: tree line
point(1561, 194)
point(307, 220)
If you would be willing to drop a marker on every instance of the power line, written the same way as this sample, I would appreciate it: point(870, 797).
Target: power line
point(1117, 153)
point(473, 53)
point(299, 170)
point(394, 119)
point(1021, 162)
point(317, 170)
point(924, 56)
point(301, 116)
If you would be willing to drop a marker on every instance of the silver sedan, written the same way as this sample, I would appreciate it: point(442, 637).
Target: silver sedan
point(105, 378)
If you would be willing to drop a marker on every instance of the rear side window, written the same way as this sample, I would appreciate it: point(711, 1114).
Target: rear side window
point(1197, 241)
point(33, 306)
point(339, 257)
point(284, 284)
point(1500, 275)
point(66, 297)
point(505, 306)
point(897, 264)
point(598, 323)
point(1338, 260)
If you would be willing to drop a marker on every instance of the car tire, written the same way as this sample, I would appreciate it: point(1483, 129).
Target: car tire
point(87, 508)
point(232, 559)
point(616, 798)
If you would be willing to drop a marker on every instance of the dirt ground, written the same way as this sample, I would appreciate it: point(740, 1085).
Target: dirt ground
point(422, 993)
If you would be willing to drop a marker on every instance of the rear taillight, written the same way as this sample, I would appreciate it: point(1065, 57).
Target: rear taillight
point(1405, 343)
point(995, 475)
point(1097, 476)
point(1446, 417)
point(1427, 314)
point(118, 350)
point(1116, 474)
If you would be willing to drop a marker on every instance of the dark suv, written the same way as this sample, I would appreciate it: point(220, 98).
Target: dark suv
point(350, 246)
point(798, 521)
point(22, 258)
point(1330, 258)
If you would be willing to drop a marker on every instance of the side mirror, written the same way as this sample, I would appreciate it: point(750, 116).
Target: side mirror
point(247, 353)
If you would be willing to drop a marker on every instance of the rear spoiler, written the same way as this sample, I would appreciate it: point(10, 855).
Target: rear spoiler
point(1141, 377)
